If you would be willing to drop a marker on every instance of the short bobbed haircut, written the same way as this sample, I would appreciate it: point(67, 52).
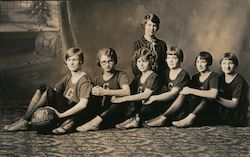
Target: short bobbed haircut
point(108, 52)
point(147, 55)
point(152, 17)
point(177, 52)
point(206, 56)
point(230, 56)
point(74, 51)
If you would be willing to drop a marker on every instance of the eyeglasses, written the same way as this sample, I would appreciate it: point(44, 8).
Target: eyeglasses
point(174, 48)
point(106, 62)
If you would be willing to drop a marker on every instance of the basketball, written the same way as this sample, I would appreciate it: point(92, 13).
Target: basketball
point(43, 119)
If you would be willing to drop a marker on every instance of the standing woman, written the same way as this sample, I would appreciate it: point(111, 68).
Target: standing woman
point(151, 24)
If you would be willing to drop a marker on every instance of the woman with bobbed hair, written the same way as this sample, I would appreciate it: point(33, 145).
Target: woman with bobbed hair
point(110, 82)
point(151, 24)
point(143, 86)
point(233, 93)
point(69, 98)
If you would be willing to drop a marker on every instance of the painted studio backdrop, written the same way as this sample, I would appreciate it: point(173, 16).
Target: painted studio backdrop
point(33, 41)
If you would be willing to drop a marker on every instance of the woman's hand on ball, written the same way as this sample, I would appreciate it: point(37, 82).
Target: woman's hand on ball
point(57, 113)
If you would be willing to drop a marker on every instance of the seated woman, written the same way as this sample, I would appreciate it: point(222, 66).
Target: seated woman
point(233, 93)
point(175, 79)
point(110, 82)
point(68, 99)
point(203, 91)
point(143, 86)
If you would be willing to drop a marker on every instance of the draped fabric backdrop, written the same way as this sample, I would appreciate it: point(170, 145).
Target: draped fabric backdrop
point(216, 26)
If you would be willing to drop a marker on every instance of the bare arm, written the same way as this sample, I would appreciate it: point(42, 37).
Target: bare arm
point(99, 91)
point(167, 95)
point(82, 104)
point(228, 103)
point(211, 93)
point(164, 96)
point(137, 97)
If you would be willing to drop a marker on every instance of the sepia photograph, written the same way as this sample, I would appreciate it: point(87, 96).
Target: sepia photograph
point(125, 78)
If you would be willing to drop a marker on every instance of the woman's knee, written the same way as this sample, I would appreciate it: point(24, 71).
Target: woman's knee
point(43, 87)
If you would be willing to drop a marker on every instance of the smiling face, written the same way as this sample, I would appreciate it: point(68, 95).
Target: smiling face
point(106, 63)
point(227, 66)
point(172, 61)
point(150, 28)
point(201, 64)
point(73, 63)
point(142, 64)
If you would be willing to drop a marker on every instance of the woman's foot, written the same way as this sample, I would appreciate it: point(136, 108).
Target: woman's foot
point(156, 122)
point(66, 127)
point(133, 124)
point(186, 122)
point(91, 125)
point(121, 125)
point(60, 131)
point(20, 125)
